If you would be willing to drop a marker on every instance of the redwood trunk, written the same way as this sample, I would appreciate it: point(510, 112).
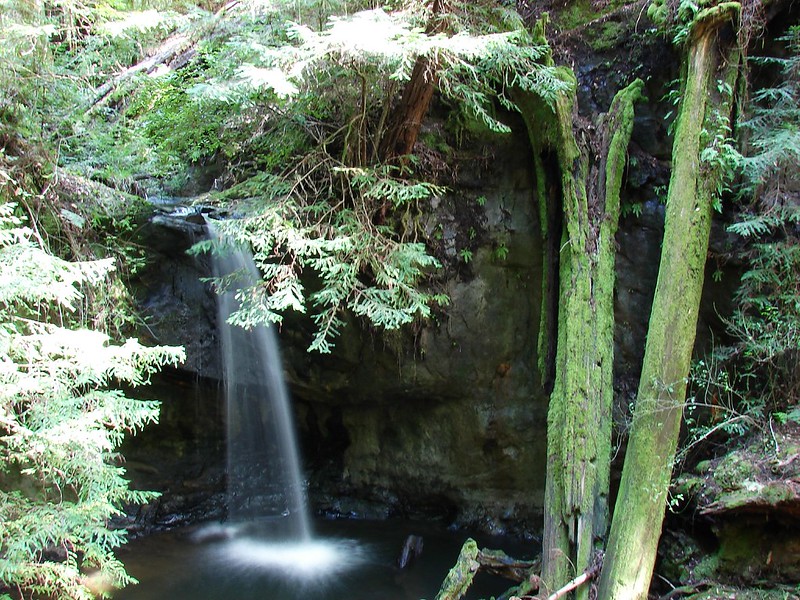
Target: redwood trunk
point(403, 130)
point(406, 120)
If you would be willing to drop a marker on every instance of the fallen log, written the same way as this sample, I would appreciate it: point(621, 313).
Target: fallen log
point(574, 584)
point(499, 563)
point(175, 52)
point(471, 560)
point(167, 53)
point(685, 590)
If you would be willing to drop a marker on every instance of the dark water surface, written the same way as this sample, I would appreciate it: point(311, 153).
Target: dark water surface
point(348, 560)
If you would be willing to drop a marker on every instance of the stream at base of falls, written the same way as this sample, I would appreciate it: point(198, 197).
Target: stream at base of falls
point(347, 560)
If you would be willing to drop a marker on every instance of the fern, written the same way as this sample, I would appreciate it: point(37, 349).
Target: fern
point(754, 225)
point(765, 358)
point(774, 125)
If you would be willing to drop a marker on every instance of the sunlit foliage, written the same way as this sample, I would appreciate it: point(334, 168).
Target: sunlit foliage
point(293, 100)
point(61, 420)
point(300, 112)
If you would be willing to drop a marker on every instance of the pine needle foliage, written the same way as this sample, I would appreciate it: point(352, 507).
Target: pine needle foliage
point(54, 56)
point(472, 68)
point(61, 420)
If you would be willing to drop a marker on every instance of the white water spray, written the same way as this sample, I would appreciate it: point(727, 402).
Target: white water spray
point(265, 486)
point(268, 527)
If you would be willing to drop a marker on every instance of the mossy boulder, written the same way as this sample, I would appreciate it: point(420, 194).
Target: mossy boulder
point(750, 497)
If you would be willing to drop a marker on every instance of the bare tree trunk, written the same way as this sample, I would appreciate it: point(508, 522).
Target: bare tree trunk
point(705, 114)
point(406, 121)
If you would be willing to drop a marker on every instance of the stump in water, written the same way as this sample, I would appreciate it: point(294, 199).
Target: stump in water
point(412, 548)
point(460, 576)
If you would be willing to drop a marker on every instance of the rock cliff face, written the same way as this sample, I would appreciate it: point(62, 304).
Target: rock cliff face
point(446, 417)
point(449, 414)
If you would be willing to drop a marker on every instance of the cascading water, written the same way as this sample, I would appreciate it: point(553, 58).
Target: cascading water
point(264, 478)
point(266, 548)
point(268, 522)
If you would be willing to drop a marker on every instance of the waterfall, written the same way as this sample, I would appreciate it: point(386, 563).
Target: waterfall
point(264, 477)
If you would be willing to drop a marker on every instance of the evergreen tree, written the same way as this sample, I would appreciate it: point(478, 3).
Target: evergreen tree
point(62, 417)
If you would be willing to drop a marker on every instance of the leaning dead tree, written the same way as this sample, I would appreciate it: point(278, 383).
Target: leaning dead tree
point(709, 79)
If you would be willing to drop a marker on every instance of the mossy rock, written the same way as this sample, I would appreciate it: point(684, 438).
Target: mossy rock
point(704, 466)
point(707, 568)
point(96, 209)
point(733, 471)
point(716, 592)
point(751, 494)
point(679, 557)
point(752, 550)
point(749, 480)
point(751, 498)
point(606, 35)
point(750, 553)
point(581, 12)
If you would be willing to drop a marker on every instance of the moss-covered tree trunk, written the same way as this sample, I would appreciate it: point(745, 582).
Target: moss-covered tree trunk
point(579, 416)
point(711, 64)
